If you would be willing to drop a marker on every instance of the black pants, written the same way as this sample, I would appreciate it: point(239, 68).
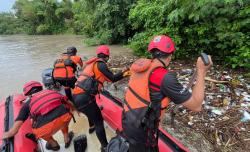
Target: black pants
point(68, 85)
point(142, 148)
point(87, 105)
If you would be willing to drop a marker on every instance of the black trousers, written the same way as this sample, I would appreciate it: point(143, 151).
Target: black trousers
point(87, 105)
point(68, 85)
point(142, 148)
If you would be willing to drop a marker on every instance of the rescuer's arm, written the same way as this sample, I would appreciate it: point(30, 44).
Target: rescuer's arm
point(108, 74)
point(195, 102)
point(22, 116)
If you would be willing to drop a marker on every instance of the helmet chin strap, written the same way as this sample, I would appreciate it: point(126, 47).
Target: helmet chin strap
point(164, 65)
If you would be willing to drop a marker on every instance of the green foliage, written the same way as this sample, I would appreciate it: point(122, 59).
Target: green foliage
point(105, 20)
point(84, 17)
point(9, 24)
point(220, 28)
point(43, 29)
point(44, 16)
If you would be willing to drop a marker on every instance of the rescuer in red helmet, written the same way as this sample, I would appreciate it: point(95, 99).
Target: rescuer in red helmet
point(151, 87)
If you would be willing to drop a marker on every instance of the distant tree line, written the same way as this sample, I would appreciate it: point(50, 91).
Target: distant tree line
point(218, 27)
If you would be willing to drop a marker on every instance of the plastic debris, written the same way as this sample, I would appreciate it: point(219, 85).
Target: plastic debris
point(246, 116)
point(186, 71)
point(248, 86)
point(243, 129)
point(217, 111)
point(225, 118)
point(247, 98)
point(235, 83)
point(190, 123)
point(228, 78)
point(226, 102)
point(238, 91)
point(244, 105)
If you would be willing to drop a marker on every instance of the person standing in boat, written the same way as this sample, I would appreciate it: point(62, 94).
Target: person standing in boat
point(150, 89)
point(49, 112)
point(65, 69)
point(90, 82)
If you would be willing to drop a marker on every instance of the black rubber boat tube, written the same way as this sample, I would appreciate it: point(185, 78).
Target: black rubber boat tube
point(8, 144)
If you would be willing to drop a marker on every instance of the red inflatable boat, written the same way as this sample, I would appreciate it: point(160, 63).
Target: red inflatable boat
point(111, 108)
point(9, 109)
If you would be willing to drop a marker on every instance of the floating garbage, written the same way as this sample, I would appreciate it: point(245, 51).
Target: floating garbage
point(242, 129)
point(227, 77)
point(225, 118)
point(244, 105)
point(248, 86)
point(235, 83)
point(190, 123)
point(186, 71)
point(226, 102)
point(246, 96)
point(246, 116)
point(217, 111)
point(223, 88)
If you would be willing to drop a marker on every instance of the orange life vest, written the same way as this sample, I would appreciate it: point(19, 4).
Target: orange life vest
point(65, 67)
point(90, 69)
point(77, 60)
point(45, 101)
point(137, 95)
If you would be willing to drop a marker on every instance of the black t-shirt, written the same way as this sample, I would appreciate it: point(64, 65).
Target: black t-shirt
point(24, 113)
point(165, 84)
point(172, 89)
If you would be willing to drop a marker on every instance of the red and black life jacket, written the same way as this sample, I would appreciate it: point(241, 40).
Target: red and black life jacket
point(138, 103)
point(45, 101)
point(137, 95)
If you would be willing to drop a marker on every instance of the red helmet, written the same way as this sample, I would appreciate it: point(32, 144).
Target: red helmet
point(162, 43)
point(30, 85)
point(104, 49)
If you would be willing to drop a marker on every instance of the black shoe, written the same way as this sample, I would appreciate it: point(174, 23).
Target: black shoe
point(91, 130)
point(71, 135)
point(49, 147)
point(103, 149)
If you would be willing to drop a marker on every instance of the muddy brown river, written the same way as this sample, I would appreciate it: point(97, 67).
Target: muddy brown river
point(23, 58)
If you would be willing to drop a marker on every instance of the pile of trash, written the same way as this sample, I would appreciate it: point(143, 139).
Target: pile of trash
point(225, 118)
point(224, 121)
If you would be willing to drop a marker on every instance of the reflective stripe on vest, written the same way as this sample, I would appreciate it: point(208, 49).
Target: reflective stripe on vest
point(137, 95)
point(90, 69)
point(44, 101)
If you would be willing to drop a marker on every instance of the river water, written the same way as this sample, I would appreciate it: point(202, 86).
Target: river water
point(22, 57)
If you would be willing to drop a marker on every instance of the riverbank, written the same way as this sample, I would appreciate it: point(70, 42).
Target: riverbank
point(224, 123)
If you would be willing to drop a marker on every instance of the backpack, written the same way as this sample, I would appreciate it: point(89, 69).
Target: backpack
point(89, 85)
point(118, 144)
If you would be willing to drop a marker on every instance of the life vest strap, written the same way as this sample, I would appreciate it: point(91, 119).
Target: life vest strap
point(139, 97)
point(40, 106)
point(154, 85)
point(32, 103)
